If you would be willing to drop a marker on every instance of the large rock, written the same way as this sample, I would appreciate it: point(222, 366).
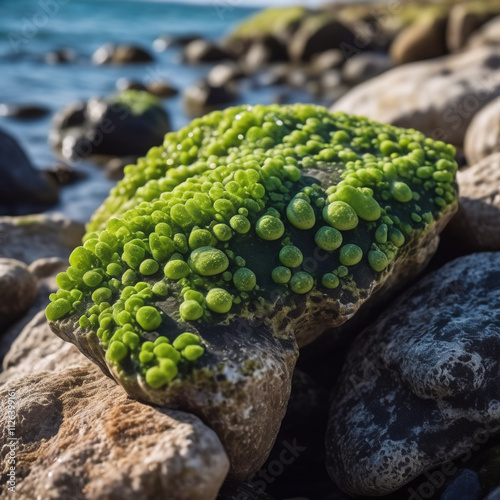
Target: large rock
point(362, 67)
point(202, 97)
point(33, 237)
point(421, 385)
point(483, 134)
point(23, 188)
point(18, 289)
point(423, 39)
point(438, 97)
point(476, 224)
point(82, 437)
point(126, 124)
point(120, 54)
point(203, 51)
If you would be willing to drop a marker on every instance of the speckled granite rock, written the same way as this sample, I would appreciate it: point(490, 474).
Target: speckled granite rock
point(477, 222)
point(82, 437)
point(483, 135)
point(420, 382)
point(437, 97)
point(33, 237)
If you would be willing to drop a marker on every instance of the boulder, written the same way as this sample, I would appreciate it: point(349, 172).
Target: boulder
point(203, 97)
point(23, 111)
point(325, 61)
point(487, 35)
point(163, 42)
point(128, 84)
point(423, 39)
point(128, 123)
point(261, 52)
point(421, 385)
point(466, 486)
point(438, 97)
point(82, 437)
point(483, 134)
point(61, 56)
point(33, 237)
point(23, 188)
point(120, 54)
point(362, 67)
point(223, 74)
point(18, 289)
point(476, 223)
point(161, 88)
point(203, 51)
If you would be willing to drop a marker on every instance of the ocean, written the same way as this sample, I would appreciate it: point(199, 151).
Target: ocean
point(29, 29)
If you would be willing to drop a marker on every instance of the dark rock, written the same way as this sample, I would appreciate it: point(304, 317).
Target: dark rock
point(316, 35)
point(475, 226)
point(120, 54)
point(63, 174)
point(115, 166)
point(421, 40)
point(201, 51)
point(23, 111)
point(202, 97)
point(297, 77)
point(276, 75)
point(127, 124)
point(263, 51)
point(421, 385)
point(487, 35)
point(465, 486)
point(362, 67)
point(163, 42)
point(494, 495)
point(161, 89)
point(236, 490)
point(223, 74)
point(23, 188)
point(324, 61)
point(61, 56)
point(128, 84)
point(18, 289)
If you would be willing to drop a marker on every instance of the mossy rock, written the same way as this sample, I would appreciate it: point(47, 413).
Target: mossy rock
point(252, 228)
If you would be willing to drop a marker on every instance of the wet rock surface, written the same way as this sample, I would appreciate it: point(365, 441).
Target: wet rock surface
point(427, 370)
point(120, 54)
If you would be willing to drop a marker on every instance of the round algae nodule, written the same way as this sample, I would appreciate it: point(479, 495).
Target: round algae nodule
point(208, 261)
point(190, 310)
point(92, 278)
point(281, 275)
point(199, 238)
point(148, 267)
point(219, 301)
point(116, 351)
point(156, 377)
point(401, 192)
point(244, 279)
point(300, 214)
point(378, 260)
point(365, 206)
point(193, 352)
point(340, 215)
point(176, 269)
point(329, 280)
point(328, 238)
point(222, 232)
point(57, 309)
point(185, 339)
point(350, 254)
point(301, 282)
point(269, 228)
point(148, 317)
point(240, 224)
point(291, 256)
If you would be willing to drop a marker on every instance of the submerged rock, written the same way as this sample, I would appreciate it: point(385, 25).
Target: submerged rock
point(126, 124)
point(201, 51)
point(120, 54)
point(23, 111)
point(438, 97)
point(249, 230)
point(420, 386)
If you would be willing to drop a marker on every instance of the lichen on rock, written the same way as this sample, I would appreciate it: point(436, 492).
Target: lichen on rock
point(227, 211)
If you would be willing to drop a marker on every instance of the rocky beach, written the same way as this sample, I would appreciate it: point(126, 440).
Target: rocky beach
point(250, 253)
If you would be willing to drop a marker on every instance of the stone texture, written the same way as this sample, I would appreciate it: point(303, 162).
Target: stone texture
point(33, 237)
point(420, 383)
point(477, 222)
point(18, 288)
point(120, 54)
point(423, 39)
point(438, 97)
point(483, 134)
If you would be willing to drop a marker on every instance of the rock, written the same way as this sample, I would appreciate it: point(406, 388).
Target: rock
point(475, 225)
point(327, 60)
point(277, 74)
point(115, 166)
point(223, 74)
point(423, 39)
point(362, 67)
point(263, 51)
point(420, 385)
point(494, 495)
point(463, 21)
point(23, 111)
point(487, 35)
point(33, 237)
point(82, 437)
point(61, 56)
point(318, 34)
point(128, 84)
point(297, 77)
point(236, 490)
point(63, 174)
point(482, 138)
point(437, 97)
point(161, 88)
point(164, 42)
point(202, 97)
point(18, 288)
point(202, 51)
point(120, 54)
point(23, 188)
point(465, 486)
point(126, 124)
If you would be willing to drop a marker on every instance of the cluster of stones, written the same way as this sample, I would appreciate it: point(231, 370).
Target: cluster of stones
point(240, 185)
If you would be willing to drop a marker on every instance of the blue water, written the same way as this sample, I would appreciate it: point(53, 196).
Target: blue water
point(27, 33)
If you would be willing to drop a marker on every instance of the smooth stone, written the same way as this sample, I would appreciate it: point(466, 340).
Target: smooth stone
point(487, 35)
point(63, 174)
point(362, 67)
point(161, 89)
point(465, 486)
point(476, 224)
point(494, 495)
point(23, 111)
point(202, 51)
point(61, 56)
point(427, 369)
point(437, 97)
point(164, 42)
point(128, 84)
point(202, 97)
point(223, 74)
point(324, 61)
point(120, 54)
point(483, 134)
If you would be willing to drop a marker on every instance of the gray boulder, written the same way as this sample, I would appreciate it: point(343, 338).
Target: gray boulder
point(421, 385)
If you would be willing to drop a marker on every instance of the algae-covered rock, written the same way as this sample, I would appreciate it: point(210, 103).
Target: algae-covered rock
point(250, 227)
